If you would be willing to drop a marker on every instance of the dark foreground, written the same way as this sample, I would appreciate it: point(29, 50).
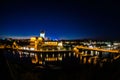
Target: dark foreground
point(10, 69)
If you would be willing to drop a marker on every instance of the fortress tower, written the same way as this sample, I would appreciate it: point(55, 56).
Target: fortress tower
point(42, 34)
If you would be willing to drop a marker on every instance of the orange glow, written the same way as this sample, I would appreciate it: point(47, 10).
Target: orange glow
point(89, 60)
point(60, 58)
point(32, 39)
point(95, 61)
point(76, 50)
point(35, 60)
point(51, 59)
point(40, 39)
point(80, 57)
point(84, 60)
point(51, 43)
point(96, 49)
point(40, 62)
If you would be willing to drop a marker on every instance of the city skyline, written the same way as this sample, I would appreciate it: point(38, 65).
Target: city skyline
point(62, 20)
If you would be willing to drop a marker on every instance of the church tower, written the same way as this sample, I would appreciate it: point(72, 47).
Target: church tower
point(42, 34)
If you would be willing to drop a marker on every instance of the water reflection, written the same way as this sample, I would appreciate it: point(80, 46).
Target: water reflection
point(82, 57)
point(62, 65)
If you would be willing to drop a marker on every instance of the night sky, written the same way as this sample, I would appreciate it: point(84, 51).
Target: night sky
point(60, 19)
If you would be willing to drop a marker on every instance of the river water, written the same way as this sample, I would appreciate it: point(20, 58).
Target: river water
point(61, 66)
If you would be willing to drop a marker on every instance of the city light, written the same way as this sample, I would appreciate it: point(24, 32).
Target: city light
point(59, 40)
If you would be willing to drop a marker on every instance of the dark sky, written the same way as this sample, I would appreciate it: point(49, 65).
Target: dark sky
point(61, 19)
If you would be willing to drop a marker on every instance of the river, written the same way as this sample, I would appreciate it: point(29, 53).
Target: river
point(60, 66)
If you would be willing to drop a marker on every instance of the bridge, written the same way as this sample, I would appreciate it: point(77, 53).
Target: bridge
point(97, 54)
point(74, 49)
point(42, 51)
point(96, 49)
point(40, 56)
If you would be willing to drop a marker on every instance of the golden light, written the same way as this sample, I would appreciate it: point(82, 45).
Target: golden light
point(40, 62)
point(51, 43)
point(35, 60)
point(40, 39)
point(89, 60)
point(84, 60)
point(60, 58)
point(32, 38)
point(60, 44)
point(50, 59)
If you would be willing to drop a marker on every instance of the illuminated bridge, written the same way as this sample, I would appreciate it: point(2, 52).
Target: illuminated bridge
point(88, 54)
point(96, 49)
point(44, 56)
point(43, 51)
point(85, 54)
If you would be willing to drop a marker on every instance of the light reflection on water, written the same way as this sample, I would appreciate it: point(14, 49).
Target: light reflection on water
point(55, 60)
point(83, 57)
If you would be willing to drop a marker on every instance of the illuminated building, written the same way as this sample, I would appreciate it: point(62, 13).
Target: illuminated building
point(51, 43)
point(41, 43)
point(35, 42)
point(32, 42)
point(42, 34)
